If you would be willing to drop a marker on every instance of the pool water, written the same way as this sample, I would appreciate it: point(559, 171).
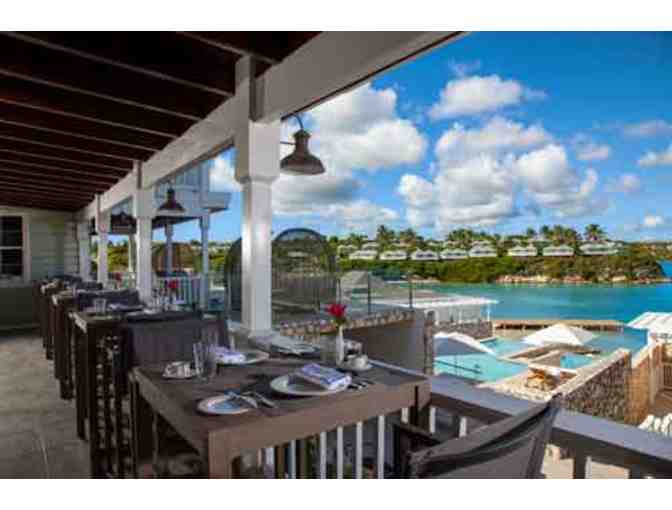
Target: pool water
point(488, 368)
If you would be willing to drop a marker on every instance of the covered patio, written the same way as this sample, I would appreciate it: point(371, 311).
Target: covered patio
point(88, 126)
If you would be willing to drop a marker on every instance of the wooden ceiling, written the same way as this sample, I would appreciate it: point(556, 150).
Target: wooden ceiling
point(77, 108)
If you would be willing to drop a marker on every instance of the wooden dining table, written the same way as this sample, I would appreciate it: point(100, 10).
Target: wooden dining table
point(222, 440)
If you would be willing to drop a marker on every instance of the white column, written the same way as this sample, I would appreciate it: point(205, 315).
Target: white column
point(169, 248)
point(103, 227)
point(131, 253)
point(257, 166)
point(84, 244)
point(143, 210)
point(205, 257)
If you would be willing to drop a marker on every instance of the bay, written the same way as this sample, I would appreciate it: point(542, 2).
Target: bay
point(619, 302)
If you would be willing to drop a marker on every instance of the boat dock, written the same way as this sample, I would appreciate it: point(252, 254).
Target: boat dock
point(590, 324)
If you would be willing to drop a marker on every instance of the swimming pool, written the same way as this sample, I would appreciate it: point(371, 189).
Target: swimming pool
point(488, 368)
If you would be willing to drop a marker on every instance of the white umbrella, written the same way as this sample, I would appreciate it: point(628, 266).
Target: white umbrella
point(559, 334)
point(457, 344)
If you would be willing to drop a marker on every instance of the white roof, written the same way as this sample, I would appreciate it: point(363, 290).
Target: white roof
point(457, 344)
point(657, 322)
point(559, 334)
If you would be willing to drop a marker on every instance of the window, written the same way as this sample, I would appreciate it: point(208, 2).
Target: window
point(12, 248)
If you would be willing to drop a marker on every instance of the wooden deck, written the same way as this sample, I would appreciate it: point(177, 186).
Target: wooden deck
point(590, 324)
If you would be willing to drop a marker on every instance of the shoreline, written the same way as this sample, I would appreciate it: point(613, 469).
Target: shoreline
point(548, 281)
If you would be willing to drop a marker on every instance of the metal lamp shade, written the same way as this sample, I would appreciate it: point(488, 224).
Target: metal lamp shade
point(171, 204)
point(301, 161)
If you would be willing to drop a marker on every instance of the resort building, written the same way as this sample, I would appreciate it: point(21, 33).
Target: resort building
point(482, 252)
point(454, 254)
point(606, 248)
point(424, 255)
point(345, 249)
point(364, 255)
point(393, 255)
point(481, 244)
point(371, 245)
point(523, 251)
point(558, 251)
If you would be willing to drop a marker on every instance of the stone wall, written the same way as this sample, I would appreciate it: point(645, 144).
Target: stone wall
point(645, 382)
point(601, 389)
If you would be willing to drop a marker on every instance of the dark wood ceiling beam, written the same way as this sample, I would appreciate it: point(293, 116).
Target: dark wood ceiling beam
point(14, 201)
point(86, 130)
point(73, 191)
point(68, 72)
point(46, 177)
point(27, 198)
point(238, 43)
point(76, 171)
point(71, 143)
point(81, 159)
point(70, 104)
point(189, 63)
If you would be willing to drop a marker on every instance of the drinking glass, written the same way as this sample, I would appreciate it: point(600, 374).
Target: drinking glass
point(99, 306)
point(205, 360)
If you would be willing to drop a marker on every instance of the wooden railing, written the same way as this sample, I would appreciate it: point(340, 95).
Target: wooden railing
point(588, 438)
point(188, 287)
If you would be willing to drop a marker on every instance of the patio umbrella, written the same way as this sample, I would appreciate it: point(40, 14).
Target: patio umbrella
point(559, 334)
point(457, 344)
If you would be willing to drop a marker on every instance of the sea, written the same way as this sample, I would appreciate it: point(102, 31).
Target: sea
point(619, 302)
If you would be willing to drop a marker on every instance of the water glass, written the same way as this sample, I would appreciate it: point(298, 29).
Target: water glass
point(205, 360)
point(99, 306)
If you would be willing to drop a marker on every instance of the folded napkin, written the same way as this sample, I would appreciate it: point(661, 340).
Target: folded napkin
point(226, 355)
point(325, 377)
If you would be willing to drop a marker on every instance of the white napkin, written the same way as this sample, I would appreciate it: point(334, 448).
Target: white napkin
point(226, 355)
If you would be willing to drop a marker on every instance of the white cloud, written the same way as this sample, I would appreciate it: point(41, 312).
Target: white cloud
point(222, 175)
point(648, 128)
point(653, 221)
point(553, 184)
point(298, 196)
point(477, 192)
point(652, 158)
point(588, 150)
point(497, 134)
point(472, 95)
point(361, 130)
point(462, 69)
point(626, 183)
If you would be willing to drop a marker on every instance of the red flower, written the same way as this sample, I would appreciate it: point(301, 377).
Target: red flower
point(337, 311)
point(173, 285)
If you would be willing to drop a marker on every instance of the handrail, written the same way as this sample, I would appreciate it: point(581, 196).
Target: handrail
point(639, 451)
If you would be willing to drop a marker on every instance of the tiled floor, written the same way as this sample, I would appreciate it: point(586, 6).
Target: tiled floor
point(37, 429)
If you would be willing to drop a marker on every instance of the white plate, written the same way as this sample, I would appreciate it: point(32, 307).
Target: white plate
point(349, 367)
point(180, 377)
point(251, 356)
point(222, 405)
point(296, 387)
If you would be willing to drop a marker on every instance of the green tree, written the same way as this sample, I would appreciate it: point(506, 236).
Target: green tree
point(594, 233)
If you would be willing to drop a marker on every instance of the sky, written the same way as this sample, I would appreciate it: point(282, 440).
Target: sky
point(497, 132)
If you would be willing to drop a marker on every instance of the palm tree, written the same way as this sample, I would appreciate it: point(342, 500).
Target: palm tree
point(530, 233)
point(594, 233)
point(384, 235)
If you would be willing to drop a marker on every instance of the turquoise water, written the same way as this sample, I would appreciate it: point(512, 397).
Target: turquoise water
point(619, 302)
point(481, 367)
point(574, 361)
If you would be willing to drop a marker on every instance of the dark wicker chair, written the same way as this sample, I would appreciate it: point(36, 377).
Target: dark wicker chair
point(511, 448)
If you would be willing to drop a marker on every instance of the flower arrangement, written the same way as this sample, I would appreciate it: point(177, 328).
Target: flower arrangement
point(337, 312)
point(173, 286)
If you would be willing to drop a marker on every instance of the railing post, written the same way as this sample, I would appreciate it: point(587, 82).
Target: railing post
point(581, 466)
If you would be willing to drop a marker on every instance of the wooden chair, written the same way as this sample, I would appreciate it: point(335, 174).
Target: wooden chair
point(511, 448)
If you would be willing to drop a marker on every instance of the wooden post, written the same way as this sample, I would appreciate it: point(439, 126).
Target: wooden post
point(581, 466)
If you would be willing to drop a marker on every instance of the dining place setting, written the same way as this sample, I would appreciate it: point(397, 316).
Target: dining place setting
point(311, 374)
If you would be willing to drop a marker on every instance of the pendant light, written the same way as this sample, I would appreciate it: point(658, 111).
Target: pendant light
point(301, 161)
point(171, 204)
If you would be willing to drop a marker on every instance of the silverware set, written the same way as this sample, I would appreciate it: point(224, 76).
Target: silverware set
point(253, 399)
point(360, 383)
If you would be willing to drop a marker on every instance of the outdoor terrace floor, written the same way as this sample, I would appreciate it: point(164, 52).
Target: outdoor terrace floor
point(37, 428)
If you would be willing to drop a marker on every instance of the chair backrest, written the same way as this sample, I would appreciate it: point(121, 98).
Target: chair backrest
point(511, 448)
point(127, 297)
point(158, 342)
